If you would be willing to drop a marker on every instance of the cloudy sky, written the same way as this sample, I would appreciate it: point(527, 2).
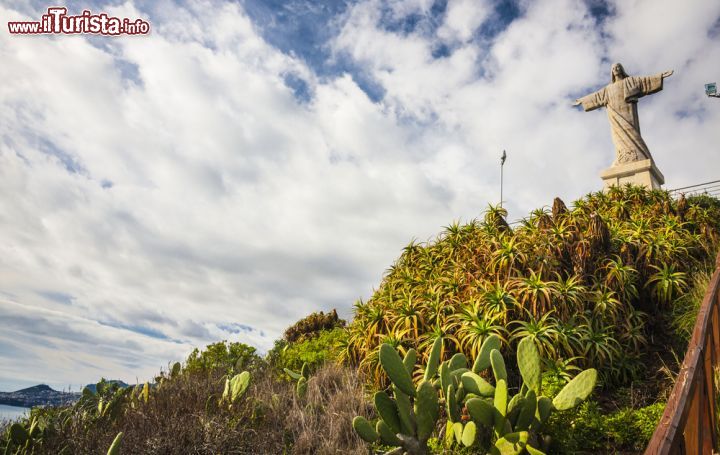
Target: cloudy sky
point(250, 162)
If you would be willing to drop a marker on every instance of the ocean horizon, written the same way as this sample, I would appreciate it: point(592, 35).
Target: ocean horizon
point(12, 412)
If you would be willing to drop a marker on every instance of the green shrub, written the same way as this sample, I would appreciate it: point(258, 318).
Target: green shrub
point(313, 351)
point(312, 324)
point(227, 357)
point(587, 429)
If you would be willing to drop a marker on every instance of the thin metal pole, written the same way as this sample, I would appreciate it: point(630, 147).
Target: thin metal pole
point(502, 165)
point(501, 183)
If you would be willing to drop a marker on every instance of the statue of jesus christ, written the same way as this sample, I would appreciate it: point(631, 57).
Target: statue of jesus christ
point(620, 98)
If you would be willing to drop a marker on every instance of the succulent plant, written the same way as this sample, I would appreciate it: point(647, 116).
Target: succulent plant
point(23, 437)
point(302, 379)
point(235, 387)
point(114, 448)
point(517, 421)
point(473, 405)
point(408, 418)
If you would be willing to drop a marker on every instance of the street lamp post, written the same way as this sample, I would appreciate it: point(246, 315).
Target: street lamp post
point(502, 164)
point(711, 90)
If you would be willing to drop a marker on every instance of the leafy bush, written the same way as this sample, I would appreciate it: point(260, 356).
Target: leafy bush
point(685, 309)
point(312, 324)
point(222, 356)
point(588, 429)
point(316, 351)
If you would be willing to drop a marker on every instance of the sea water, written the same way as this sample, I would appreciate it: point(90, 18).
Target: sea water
point(12, 412)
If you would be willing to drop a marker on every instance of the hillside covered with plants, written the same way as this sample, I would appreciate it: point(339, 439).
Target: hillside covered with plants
point(558, 334)
point(592, 286)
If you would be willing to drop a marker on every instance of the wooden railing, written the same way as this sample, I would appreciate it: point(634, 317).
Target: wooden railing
point(689, 424)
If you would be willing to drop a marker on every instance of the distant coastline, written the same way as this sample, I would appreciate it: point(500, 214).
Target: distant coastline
point(39, 395)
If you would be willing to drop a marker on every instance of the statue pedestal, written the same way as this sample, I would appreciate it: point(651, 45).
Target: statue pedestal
point(642, 173)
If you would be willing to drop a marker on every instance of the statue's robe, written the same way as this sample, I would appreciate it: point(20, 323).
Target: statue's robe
point(620, 99)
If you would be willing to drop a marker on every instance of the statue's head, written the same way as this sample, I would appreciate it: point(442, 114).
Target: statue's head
point(617, 72)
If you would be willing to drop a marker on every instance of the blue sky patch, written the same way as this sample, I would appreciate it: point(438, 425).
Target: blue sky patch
point(59, 297)
point(234, 327)
point(299, 87)
point(147, 331)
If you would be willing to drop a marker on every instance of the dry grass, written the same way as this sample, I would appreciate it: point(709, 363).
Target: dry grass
point(180, 418)
point(322, 422)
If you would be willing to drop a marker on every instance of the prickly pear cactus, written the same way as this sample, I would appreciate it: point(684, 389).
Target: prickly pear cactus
point(471, 402)
point(408, 418)
point(517, 421)
point(396, 370)
point(302, 379)
point(238, 384)
point(528, 359)
point(576, 391)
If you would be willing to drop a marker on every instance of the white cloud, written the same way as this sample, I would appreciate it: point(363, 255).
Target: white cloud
point(462, 18)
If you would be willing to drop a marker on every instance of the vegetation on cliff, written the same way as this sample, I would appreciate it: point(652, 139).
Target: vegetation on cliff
point(610, 286)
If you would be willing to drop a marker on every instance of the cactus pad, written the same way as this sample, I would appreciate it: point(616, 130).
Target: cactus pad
point(301, 387)
point(458, 431)
point(364, 429)
point(483, 359)
point(387, 435)
point(576, 390)
point(387, 410)
point(292, 374)
point(501, 396)
point(512, 443)
point(426, 410)
point(407, 424)
point(468, 434)
point(498, 365)
point(481, 411)
point(238, 385)
point(451, 406)
point(527, 412)
point(528, 359)
point(477, 385)
point(434, 359)
point(544, 407)
point(409, 360)
point(395, 369)
point(458, 361)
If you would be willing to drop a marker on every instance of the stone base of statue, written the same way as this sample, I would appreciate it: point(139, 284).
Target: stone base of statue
point(641, 173)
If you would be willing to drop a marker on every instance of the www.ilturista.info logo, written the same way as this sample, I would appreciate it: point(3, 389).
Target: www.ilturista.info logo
point(57, 21)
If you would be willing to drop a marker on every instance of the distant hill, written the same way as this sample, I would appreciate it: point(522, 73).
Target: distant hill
point(39, 395)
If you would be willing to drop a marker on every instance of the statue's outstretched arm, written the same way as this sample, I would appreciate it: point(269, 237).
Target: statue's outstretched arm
point(592, 101)
point(667, 73)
